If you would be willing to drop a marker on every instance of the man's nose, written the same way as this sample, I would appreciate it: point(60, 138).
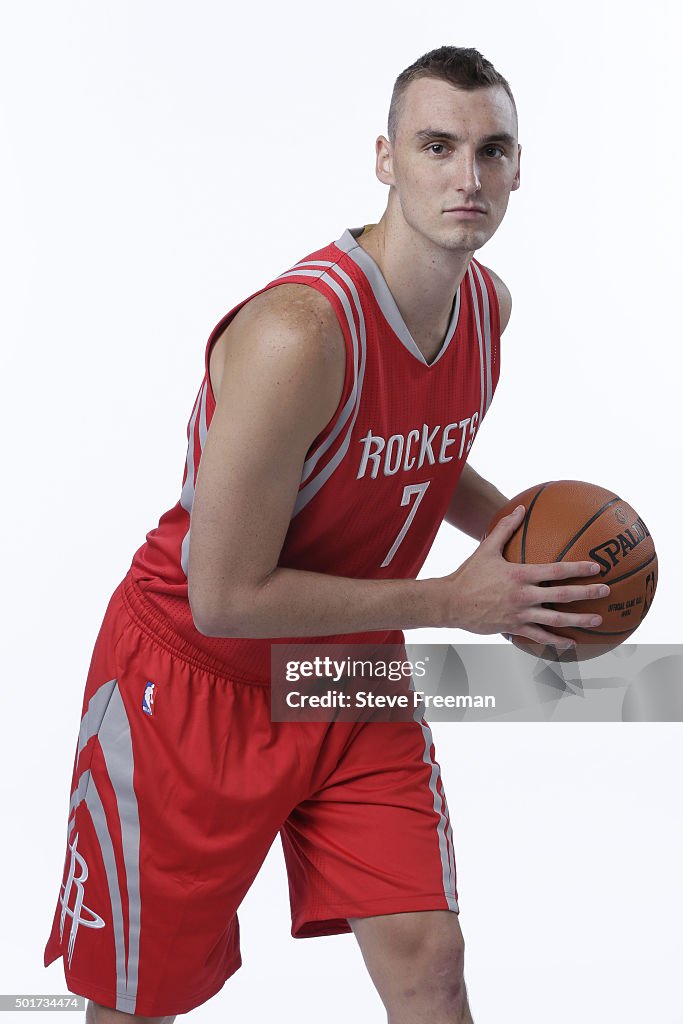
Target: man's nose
point(467, 179)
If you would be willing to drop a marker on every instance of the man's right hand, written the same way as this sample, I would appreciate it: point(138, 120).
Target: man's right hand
point(488, 594)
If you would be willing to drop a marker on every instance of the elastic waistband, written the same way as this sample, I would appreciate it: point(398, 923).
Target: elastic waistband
point(158, 629)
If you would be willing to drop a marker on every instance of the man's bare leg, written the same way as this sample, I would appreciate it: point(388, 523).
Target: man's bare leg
point(416, 963)
point(96, 1014)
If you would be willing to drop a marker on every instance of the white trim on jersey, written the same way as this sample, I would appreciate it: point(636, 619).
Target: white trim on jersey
point(482, 360)
point(349, 413)
point(487, 335)
point(312, 460)
point(187, 493)
point(348, 244)
point(203, 430)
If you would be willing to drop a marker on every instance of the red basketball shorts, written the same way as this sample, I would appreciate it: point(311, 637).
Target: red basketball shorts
point(181, 782)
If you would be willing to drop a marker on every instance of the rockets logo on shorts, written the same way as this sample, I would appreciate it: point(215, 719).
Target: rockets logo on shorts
point(76, 883)
point(148, 698)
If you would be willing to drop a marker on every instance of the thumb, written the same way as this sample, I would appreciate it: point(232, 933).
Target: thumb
point(506, 526)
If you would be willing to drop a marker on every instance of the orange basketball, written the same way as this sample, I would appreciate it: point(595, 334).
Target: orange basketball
point(570, 520)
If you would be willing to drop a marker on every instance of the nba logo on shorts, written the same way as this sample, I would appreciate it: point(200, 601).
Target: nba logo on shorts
point(148, 698)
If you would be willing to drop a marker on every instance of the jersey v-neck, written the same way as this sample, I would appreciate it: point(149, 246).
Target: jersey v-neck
point(348, 243)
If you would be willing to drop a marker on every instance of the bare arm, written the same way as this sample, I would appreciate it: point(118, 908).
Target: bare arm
point(281, 382)
point(474, 503)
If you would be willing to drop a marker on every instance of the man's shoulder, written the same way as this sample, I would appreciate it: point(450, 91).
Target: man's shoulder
point(284, 323)
point(297, 307)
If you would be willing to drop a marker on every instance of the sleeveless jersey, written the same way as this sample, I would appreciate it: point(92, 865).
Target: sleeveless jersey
point(377, 481)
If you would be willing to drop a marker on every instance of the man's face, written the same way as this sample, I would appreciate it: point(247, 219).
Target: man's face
point(454, 162)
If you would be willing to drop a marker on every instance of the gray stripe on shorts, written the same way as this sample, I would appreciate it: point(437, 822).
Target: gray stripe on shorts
point(87, 790)
point(443, 827)
point(114, 736)
point(117, 748)
point(92, 719)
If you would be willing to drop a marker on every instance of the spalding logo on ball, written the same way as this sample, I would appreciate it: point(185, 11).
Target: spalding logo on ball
point(569, 520)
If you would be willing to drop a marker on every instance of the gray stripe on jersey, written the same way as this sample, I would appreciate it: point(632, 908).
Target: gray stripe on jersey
point(475, 304)
point(451, 330)
point(202, 419)
point(187, 493)
point(386, 301)
point(487, 335)
point(94, 714)
point(349, 405)
point(307, 492)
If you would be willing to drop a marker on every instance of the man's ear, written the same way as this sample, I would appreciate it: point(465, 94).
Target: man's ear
point(515, 183)
point(384, 163)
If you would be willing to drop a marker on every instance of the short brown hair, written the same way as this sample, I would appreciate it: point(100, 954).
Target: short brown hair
point(462, 66)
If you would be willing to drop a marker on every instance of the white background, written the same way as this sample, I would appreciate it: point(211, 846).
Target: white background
point(160, 161)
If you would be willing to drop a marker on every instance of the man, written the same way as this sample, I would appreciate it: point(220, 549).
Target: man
point(327, 443)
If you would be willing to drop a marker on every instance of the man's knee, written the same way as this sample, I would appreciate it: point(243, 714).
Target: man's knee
point(97, 1014)
point(433, 964)
point(416, 960)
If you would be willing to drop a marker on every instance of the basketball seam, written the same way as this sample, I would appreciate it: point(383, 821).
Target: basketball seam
point(527, 517)
point(585, 526)
point(632, 571)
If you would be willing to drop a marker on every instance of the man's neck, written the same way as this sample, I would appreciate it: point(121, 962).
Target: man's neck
point(422, 278)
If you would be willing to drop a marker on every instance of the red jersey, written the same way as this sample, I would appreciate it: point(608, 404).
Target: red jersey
point(377, 481)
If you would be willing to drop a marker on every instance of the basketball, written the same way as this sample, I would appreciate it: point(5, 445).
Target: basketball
point(570, 520)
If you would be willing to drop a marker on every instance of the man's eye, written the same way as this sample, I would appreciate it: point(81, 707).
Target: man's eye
point(494, 151)
point(437, 148)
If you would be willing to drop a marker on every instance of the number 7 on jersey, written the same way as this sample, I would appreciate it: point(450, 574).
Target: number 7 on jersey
point(408, 491)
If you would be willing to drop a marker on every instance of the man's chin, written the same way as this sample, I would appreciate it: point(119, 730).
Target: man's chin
point(464, 241)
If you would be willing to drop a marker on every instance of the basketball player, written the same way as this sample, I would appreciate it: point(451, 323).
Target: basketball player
point(327, 443)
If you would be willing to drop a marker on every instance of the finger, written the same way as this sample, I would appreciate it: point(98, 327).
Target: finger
point(563, 620)
point(567, 594)
point(541, 636)
point(503, 530)
point(561, 571)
